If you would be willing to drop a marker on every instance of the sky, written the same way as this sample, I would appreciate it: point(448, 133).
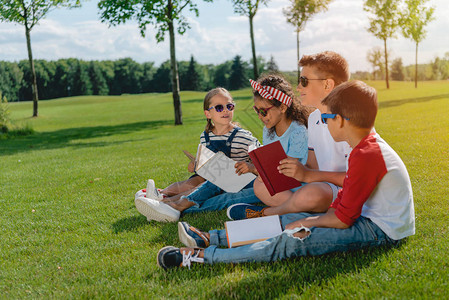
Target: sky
point(219, 34)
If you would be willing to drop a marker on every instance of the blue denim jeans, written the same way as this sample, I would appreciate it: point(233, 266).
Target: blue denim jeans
point(208, 197)
point(363, 233)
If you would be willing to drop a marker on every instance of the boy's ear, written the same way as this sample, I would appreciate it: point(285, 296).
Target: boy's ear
point(329, 84)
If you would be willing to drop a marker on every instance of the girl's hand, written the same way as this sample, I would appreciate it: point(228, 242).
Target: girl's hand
point(191, 166)
point(242, 167)
point(292, 167)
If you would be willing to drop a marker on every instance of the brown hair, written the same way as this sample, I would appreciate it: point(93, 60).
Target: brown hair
point(296, 112)
point(354, 100)
point(328, 65)
point(206, 103)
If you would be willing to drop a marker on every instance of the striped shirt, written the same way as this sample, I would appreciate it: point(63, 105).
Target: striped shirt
point(239, 146)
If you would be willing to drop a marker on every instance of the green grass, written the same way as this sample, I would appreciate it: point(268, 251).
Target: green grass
point(69, 228)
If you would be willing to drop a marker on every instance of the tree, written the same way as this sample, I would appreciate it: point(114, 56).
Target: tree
point(375, 58)
point(191, 79)
point(384, 21)
point(161, 14)
point(97, 79)
point(412, 21)
point(161, 79)
point(272, 66)
point(147, 76)
point(221, 74)
point(237, 79)
point(127, 76)
point(301, 11)
point(28, 13)
point(249, 8)
point(10, 80)
point(397, 69)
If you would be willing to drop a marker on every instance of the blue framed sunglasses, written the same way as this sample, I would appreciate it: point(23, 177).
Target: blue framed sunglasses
point(220, 108)
point(324, 117)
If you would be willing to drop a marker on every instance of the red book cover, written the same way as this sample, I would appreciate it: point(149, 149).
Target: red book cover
point(266, 160)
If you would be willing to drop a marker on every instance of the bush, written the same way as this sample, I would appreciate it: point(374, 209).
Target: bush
point(5, 122)
point(7, 130)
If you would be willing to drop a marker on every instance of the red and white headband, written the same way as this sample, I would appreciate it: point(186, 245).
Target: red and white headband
point(269, 92)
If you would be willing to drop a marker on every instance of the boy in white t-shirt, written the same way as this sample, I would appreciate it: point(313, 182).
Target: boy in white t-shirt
point(325, 169)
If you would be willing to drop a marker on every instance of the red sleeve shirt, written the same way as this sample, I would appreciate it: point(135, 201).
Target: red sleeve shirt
point(366, 168)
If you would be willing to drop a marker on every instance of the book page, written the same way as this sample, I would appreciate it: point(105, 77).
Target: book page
point(220, 170)
point(202, 156)
point(248, 231)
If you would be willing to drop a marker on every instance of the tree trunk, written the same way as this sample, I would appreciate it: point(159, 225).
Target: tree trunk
point(386, 64)
point(253, 47)
point(416, 66)
point(175, 76)
point(297, 53)
point(33, 73)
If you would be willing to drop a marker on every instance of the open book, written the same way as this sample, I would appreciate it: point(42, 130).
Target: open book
point(248, 231)
point(219, 169)
point(266, 160)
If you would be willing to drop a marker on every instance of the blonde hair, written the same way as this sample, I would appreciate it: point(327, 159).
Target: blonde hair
point(206, 103)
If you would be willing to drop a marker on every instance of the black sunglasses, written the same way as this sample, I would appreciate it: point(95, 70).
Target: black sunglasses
point(220, 108)
point(262, 111)
point(304, 81)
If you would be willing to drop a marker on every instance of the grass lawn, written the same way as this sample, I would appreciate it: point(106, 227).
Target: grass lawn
point(69, 228)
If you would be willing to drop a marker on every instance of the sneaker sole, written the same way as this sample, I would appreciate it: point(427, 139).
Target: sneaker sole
point(159, 263)
point(160, 212)
point(184, 238)
point(229, 209)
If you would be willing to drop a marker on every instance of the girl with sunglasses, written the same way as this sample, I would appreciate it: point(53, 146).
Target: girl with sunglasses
point(285, 120)
point(220, 134)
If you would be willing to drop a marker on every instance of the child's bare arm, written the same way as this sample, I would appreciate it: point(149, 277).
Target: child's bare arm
point(242, 167)
point(291, 167)
point(191, 167)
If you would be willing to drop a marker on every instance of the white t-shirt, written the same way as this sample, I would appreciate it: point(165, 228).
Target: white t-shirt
point(330, 155)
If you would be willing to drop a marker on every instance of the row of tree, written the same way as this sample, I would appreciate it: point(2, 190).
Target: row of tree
point(385, 17)
point(73, 77)
point(437, 69)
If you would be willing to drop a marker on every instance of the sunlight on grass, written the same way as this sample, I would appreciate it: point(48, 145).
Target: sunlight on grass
point(70, 228)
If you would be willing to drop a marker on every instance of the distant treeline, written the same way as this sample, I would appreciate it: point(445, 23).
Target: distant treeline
point(74, 77)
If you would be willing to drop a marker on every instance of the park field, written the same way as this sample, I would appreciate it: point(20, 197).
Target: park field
point(69, 228)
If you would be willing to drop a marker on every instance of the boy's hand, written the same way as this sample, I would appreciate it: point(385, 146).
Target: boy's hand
point(191, 166)
point(292, 167)
point(242, 167)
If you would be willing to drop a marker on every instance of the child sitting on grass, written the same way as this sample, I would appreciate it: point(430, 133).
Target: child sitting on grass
point(374, 207)
point(220, 134)
point(326, 161)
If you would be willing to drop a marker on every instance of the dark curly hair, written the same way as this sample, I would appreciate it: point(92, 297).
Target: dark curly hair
point(296, 112)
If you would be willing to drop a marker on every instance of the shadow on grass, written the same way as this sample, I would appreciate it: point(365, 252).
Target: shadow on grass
point(129, 224)
point(65, 137)
point(293, 277)
point(392, 103)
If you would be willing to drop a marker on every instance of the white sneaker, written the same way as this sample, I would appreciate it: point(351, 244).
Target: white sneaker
point(140, 193)
point(156, 210)
point(152, 192)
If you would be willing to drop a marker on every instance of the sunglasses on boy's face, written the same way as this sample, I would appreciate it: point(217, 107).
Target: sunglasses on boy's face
point(220, 108)
point(262, 111)
point(304, 81)
point(324, 117)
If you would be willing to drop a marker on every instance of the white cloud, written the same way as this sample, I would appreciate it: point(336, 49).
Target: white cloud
point(218, 35)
